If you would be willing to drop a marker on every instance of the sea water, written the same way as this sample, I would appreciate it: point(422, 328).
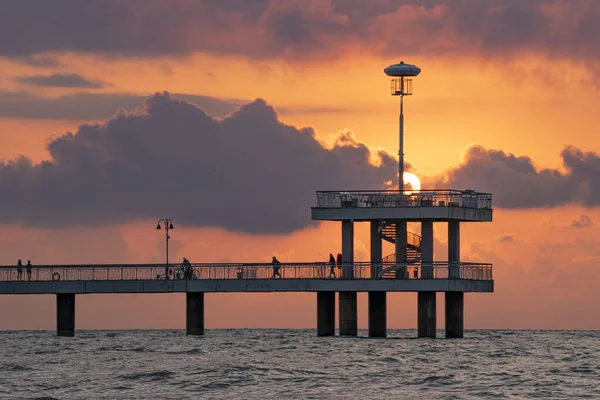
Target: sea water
point(279, 364)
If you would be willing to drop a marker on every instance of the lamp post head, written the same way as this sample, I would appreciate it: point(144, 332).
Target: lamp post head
point(158, 228)
point(402, 69)
point(171, 226)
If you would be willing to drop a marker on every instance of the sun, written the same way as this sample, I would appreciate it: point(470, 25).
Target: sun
point(411, 180)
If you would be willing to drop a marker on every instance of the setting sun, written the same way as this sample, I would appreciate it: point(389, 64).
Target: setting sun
point(412, 180)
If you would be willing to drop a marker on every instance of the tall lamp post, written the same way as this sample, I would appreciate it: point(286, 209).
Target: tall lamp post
point(402, 86)
point(168, 223)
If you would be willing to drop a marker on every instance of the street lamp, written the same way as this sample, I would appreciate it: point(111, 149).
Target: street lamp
point(168, 223)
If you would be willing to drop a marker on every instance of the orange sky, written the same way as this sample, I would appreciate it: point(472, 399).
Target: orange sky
point(545, 270)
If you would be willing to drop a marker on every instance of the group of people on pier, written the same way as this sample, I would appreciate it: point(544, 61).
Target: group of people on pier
point(333, 262)
point(28, 268)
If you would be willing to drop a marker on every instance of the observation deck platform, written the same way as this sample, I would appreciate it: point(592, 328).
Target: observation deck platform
point(210, 278)
point(434, 205)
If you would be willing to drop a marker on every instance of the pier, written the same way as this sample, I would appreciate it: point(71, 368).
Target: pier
point(414, 270)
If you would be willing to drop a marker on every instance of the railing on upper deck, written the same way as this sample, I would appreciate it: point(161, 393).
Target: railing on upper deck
point(409, 198)
point(441, 270)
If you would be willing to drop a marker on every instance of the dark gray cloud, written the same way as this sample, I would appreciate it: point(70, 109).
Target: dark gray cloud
point(301, 29)
point(94, 106)
point(40, 61)
point(583, 222)
point(247, 172)
point(515, 182)
point(66, 80)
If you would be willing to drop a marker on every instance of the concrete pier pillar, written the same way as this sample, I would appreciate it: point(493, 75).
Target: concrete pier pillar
point(453, 249)
point(325, 313)
point(401, 239)
point(427, 269)
point(454, 314)
point(377, 314)
point(347, 249)
point(426, 314)
point(194, 313)
point(376, 250)
point(348, 314)
point(65, 314)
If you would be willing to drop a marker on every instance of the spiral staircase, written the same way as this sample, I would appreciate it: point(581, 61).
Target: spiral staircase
point(387, 231)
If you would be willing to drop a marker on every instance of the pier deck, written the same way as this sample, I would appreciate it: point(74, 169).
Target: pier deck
point(300, 277)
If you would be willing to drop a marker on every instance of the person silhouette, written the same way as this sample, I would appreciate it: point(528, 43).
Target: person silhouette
point(28, 267)
point(19, 270)
point(276, 266)
point(331, 266)
point(187, 268)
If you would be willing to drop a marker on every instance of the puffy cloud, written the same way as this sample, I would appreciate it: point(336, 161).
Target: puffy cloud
point(247, 172)
point(515, 182)
point(66, 80)
point(583, 222)
point(94, 106)
point(301, 29)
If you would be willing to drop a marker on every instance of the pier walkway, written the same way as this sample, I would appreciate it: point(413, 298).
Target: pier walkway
point(295, 277)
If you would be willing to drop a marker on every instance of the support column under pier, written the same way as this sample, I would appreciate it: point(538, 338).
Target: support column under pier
point(427, 271)
point(194, 313)
point(376, 250)
point(454, 249)
point(325, 313)
point(348, 314)
point(454, 314)
point(377, 314)
point(347, 249)
point(426, 314)
point(65, 314)
point(377, 300)
point(401, 243)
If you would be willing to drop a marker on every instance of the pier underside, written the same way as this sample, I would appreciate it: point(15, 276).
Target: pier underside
point(249, 285)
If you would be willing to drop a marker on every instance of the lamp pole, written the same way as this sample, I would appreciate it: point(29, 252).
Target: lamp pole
point(168, 224)
point(401, 147)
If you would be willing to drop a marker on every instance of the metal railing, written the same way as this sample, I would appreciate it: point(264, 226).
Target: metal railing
point(409, 198)
point(118, 272)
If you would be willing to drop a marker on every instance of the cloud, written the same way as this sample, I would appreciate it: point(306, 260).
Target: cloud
point(85, 106)
point(93, 106)
point(247, 172)
point(60, 80)
point(305, 29)
point(583, 222)
point(40, 61)
point(515, 182)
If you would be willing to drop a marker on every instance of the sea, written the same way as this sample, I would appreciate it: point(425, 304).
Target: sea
point(290, 364)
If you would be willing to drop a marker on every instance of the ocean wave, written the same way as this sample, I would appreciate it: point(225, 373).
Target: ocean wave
point(295, 363)
point(149, 376)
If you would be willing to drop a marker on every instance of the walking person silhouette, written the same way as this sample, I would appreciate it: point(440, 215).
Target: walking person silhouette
point(331, 266)
point(276, 266)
